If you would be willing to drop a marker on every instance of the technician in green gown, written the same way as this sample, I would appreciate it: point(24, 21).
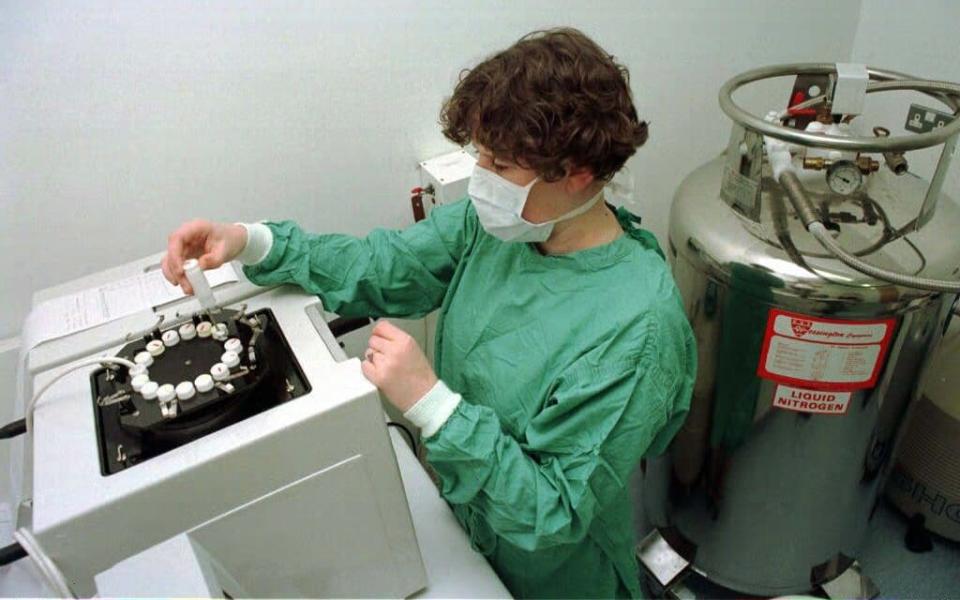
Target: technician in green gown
point(563, 355)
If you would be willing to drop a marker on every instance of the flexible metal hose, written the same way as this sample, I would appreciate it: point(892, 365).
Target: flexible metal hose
point(823, 236)
point(798, 197)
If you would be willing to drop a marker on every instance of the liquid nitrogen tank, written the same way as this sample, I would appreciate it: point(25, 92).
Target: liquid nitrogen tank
point(807, 363)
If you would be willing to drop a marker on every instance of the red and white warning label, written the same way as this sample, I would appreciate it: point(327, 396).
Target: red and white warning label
point(811, 401)
point(825, 354)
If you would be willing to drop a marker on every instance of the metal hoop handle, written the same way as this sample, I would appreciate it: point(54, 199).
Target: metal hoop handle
point(881, 80)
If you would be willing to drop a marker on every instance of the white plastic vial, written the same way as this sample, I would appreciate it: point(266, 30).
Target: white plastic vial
point(188, 331)
point(220, 332)
point(166, 392)
point(137, 370)
point(185, 390)
point(155, 347)
point(143, 358)
point(171, 338)
point(149, 390)
point(233, 345)
point(139, 381)
point(201, 287)
point(231, 359)
point(219, 371)
point(203, 383)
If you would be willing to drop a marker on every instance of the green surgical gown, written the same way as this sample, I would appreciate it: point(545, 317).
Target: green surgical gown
point(571, 367)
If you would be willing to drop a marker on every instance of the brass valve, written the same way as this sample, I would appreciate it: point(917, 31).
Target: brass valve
point(895, 160)
point(817, 163)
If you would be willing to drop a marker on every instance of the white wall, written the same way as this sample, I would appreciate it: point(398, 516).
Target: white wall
point(118, 120)
point(919, 39)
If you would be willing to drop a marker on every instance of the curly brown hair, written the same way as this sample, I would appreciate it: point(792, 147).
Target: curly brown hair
point(554, 100)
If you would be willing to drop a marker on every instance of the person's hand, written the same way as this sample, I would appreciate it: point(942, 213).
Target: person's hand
point(395, 364)
point(212, 244)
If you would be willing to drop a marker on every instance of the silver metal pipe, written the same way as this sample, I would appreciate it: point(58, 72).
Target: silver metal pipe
point(801, 203)
point(935, 191)
point(890, 81)
point(886, 75)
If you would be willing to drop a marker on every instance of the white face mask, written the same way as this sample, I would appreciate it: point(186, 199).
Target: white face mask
point(499, 204)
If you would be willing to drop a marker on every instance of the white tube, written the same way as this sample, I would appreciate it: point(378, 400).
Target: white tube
point(22, 481)
point(103, 360)
point(198, 281)
point(52, 575)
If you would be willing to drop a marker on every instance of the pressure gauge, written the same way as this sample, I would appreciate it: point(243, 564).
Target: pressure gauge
point(844, 177)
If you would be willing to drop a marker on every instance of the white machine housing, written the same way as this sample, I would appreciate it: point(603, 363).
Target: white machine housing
point(448, 176)
point(303, 499)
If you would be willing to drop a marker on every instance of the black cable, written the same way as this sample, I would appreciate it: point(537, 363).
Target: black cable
point(11, 430)
point(403, 428)
point(11, 553)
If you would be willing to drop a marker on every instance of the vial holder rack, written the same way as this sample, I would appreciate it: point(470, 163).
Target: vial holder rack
point(191, 380)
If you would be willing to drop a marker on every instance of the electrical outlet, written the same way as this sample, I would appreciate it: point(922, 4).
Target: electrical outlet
point(921, 119)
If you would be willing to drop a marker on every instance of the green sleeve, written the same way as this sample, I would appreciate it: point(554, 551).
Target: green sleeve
point(388, 273)
point(578, 452)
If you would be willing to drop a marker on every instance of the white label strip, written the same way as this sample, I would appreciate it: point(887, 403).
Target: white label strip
point(811, 401)
point(816, 363)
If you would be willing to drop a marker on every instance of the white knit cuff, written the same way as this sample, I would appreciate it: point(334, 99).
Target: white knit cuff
point(433, 410)
point(259, 241)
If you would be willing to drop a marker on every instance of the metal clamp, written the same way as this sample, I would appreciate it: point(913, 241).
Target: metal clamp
point(665, 567)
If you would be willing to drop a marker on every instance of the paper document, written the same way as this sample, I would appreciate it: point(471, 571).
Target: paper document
point(117, 299)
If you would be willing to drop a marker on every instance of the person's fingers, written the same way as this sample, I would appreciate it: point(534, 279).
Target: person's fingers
point(166, 270)
point(175, 253)
point(188, 241)
point(379, 343)
point(185, 286)
point(369, 371)
point(386, 329)
point(210, 260)
point(173, 279)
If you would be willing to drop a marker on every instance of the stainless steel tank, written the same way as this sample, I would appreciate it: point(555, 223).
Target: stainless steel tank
point(806, 367)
